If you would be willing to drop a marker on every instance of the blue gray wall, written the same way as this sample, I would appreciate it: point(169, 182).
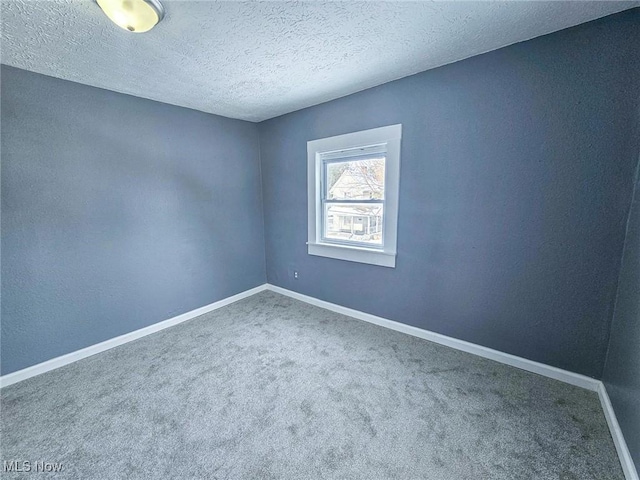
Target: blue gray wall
point(622, 368)
point(117, 212)
point(517, 173)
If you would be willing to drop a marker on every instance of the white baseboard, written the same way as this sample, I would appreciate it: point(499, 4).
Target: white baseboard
point(529, 365)
point(63, 360)
point(519, 362)
point(628, 467)
point(508, 359)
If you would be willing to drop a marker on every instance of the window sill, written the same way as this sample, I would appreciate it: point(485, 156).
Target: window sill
point(353, 254)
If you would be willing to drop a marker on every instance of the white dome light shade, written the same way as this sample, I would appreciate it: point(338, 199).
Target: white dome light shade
point(133, 15)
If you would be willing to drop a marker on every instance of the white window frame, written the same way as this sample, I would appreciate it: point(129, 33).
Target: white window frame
point(389, 137)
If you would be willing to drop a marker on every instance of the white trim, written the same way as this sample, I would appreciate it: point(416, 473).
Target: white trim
point(353, 254)
point(506, 358)
point(358, 139)
point(388, 137)
point(628, 467)
point(571, 378)
point(63, 360)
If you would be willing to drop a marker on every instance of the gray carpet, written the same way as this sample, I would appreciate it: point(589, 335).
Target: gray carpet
point(274, 388)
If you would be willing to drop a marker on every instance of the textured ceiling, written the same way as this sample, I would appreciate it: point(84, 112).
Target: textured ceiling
point(257, 60)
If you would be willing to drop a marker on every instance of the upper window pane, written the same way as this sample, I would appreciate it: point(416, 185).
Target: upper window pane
point(355, 179)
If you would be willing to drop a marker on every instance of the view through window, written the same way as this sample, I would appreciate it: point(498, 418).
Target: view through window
point(353, 200)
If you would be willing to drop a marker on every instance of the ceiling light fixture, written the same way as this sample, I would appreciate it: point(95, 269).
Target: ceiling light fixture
point(133, 15)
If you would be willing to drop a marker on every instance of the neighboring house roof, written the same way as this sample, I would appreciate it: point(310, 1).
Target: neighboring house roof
point(357, 180)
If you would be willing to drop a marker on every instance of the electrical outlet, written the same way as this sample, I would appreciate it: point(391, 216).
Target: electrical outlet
point(292, 272)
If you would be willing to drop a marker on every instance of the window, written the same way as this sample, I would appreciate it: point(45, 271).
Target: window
point(353, 183)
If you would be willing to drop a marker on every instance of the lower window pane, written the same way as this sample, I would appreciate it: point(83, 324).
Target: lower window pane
point(354, 223)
